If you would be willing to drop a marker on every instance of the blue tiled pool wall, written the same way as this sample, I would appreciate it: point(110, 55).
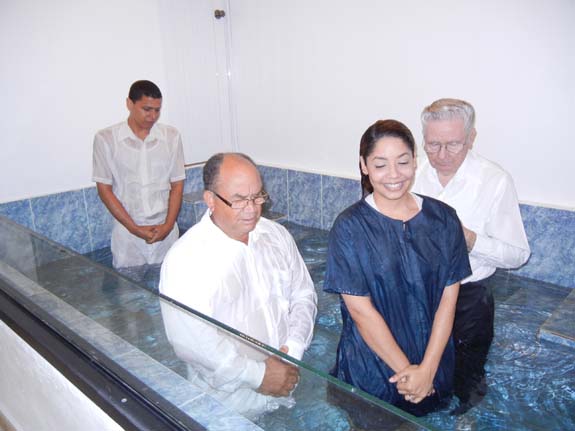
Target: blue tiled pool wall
point(79, 220)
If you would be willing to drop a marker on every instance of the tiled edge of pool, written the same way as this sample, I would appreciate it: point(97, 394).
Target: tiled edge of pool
point(79, 220)
point(172, 387)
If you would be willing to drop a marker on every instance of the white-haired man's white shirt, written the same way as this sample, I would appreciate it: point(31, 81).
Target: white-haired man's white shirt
point(262, 289)
point(484, 196)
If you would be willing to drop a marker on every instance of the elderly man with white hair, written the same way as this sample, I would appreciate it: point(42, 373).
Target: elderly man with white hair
point(484, 196)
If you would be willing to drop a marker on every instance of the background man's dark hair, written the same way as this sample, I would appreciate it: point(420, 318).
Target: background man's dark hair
point(143, 88)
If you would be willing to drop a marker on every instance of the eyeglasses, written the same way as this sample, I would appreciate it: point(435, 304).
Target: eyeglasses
point(240, 204)
point(450, 147)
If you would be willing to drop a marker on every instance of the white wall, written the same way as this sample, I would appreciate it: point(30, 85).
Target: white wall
point(34, 396)
point(66, 70)
point(310, 77)
point(196, 58)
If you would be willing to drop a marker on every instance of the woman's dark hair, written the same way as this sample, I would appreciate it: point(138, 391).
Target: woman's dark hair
point(143, 88)
point(378, 130)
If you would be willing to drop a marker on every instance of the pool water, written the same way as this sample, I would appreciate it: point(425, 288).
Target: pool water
point(531, 382)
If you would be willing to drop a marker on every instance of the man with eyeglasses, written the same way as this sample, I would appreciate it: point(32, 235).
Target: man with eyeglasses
point(246, 272)
point(485, 199)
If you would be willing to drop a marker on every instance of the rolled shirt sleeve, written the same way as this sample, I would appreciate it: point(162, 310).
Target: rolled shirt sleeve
point(178, 172)
point(101, 170)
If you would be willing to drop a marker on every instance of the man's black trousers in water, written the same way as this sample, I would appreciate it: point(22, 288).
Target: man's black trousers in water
point(472, 335)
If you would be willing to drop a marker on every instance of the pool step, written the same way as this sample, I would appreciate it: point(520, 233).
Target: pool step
point(560, 326)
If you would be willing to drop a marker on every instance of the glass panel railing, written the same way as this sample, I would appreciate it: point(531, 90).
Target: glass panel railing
point(195, 364)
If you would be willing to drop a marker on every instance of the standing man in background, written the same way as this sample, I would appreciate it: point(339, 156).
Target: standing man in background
point(486, 202)
point(138, 166)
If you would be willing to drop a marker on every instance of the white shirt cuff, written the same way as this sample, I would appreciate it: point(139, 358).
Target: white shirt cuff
point(295, 349)
point(481, 246)
point(254, 373)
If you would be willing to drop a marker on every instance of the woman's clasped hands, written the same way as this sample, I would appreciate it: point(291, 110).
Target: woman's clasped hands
point(414, 382)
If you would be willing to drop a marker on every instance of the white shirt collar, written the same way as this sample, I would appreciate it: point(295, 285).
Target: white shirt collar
point(466, 172)
point(125, 132)
point(222, 236)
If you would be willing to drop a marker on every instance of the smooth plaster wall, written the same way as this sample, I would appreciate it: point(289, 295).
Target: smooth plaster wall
point(310, 77)
point(35, 396)
point(66, 70)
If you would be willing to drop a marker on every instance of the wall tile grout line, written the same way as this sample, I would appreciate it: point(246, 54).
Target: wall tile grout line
point(88, 219)
point(321, 218)
point(32, 218)
point(287, 171)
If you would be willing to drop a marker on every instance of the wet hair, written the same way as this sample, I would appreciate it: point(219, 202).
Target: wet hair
point(143, 88)
point(211, 171)
point(378, 130)
point(448, 109)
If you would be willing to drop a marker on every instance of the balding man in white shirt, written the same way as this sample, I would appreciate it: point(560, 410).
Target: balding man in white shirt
point(484, 196)
point(246, 272)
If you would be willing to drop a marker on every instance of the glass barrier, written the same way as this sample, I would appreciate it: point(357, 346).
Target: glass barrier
point(195, 364)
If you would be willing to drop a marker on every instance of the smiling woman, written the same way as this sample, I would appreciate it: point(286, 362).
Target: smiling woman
point(398, 280)
point(387, 160)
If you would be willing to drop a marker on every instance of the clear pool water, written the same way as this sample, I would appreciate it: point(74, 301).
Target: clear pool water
point(531, 383)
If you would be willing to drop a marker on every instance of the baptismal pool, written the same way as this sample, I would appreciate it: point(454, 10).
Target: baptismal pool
point(531, 382)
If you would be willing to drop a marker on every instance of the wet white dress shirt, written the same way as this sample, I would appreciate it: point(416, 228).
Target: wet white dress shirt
point(484, 196)
point(262, 289)
point(140, 173)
